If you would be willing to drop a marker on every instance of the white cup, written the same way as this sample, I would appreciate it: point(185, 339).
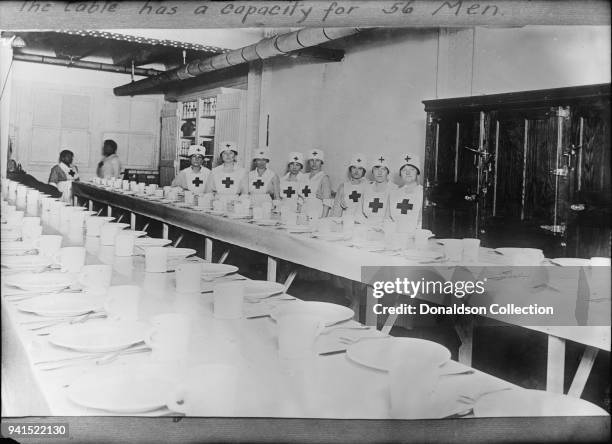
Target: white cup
point(453, 249)
point(141, 187)
point(169, 337)
point(29, 222)
point(421, 238)
point(31, 233)
point(206, 390)
point(108, 232)
point(156, 260)
point(14, 219)
point(49, 244)
point(71, 259)
point(419, 378)
point(219, 205)
point(93, 224)
point(288, 217)
point(21, 196)
point(152, 188)
point(32, 199)
point(124, 243)
point(205, 200)
point(297, 333)
point(189, 197)
point(96, 279)
point(159, 193)
point(122, 302)
point(188, 277)
point(133, 185)
point(228, 300)
point(266, 206)
point(470, 249)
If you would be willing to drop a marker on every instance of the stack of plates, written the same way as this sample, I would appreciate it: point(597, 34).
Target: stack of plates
point(25, 263)
point(151, 242)
point(61, 305)
point(262, 289)
point(47, 282)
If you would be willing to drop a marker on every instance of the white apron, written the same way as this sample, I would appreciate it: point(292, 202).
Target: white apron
point(66, 186)
point(405, 208)
point(226, 183)
point(195, 182)
point(260, 187)
point(375, 202)
point(292, 189)
point(352, 197)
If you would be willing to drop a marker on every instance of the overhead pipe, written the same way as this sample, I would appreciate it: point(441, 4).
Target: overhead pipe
point(85, 65)
point(270, 47)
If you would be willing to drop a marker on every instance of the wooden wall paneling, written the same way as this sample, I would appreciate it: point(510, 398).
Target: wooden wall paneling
point(142, 152)
point(76, 111)
point(541, 159)
point(116, 113)
point(429, 166)
point(77, 141)
point(44, 144)
point(227, 123)
point(168, 141)
point(509, 167)
point(47, 108)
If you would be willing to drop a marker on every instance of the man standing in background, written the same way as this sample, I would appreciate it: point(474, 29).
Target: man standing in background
point(110, 165)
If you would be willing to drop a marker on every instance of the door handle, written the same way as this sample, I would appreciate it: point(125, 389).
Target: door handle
point(577, 207)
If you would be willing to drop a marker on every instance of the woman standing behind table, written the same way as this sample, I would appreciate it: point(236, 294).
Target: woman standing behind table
point(225, 179)
point(349, 195)
point(110, 165)
point(376, 194)
point(292, 183)
point(406, 202)
point(262, 184)
point(195, 176)
point(317, 193)
point(63, 174)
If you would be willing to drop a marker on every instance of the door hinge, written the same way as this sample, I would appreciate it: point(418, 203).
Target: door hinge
point(557, 229)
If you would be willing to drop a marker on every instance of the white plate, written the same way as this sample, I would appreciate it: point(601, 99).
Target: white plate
point(422, 254)
point(329, 313)
point(298, 228)
point(523, 402)
point(39, 281)
point(99, 337)
point(239, 216)
point(29, 262)
point(511, 251)
point(180, 253)
point(266, 222)
point(331, 236)
point(211, 271)
point(571, 262)
point(262, 289)
point(137, 233)
point(151, 242)
point(122, 389)
point(216, 213)
point(61, 304)
point(13, 247)
point(378, 353)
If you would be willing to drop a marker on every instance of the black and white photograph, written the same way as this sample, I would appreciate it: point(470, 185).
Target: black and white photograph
point(305, 221)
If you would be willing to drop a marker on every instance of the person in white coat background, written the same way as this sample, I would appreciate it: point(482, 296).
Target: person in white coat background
point(225, 180)
point(349, 196)
point(195, 176)
point(63, 174)
point(406, 202)
point(262, 184)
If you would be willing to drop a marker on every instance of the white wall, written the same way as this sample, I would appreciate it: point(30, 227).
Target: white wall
point(371, 101)
point(55, 108)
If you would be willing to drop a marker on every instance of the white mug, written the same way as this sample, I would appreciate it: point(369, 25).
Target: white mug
point(421, 238)
point(96, 279)
point(124, 243)
point(169, 337)
point(206, 390)
point(188, 277)
point(228, 300)
point(49, 244)
point(470, 249)
point(31, 233)
point(297, 333)
point(141, 187)
point(159, 193)
point(419, 377)
point(93, 224)
point(109, 231)
point(122, 302)
point(32, 199)
point(453, 249)
point(71, 259)
point(156, 260)
point(204, 201)
point(188, 197)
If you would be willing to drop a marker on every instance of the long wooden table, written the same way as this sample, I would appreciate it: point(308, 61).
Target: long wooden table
point(339, 260)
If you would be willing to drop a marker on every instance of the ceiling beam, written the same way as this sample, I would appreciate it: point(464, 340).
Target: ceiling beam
point(140, 56)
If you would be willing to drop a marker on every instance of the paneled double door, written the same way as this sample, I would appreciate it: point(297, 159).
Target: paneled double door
point(531, 174)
